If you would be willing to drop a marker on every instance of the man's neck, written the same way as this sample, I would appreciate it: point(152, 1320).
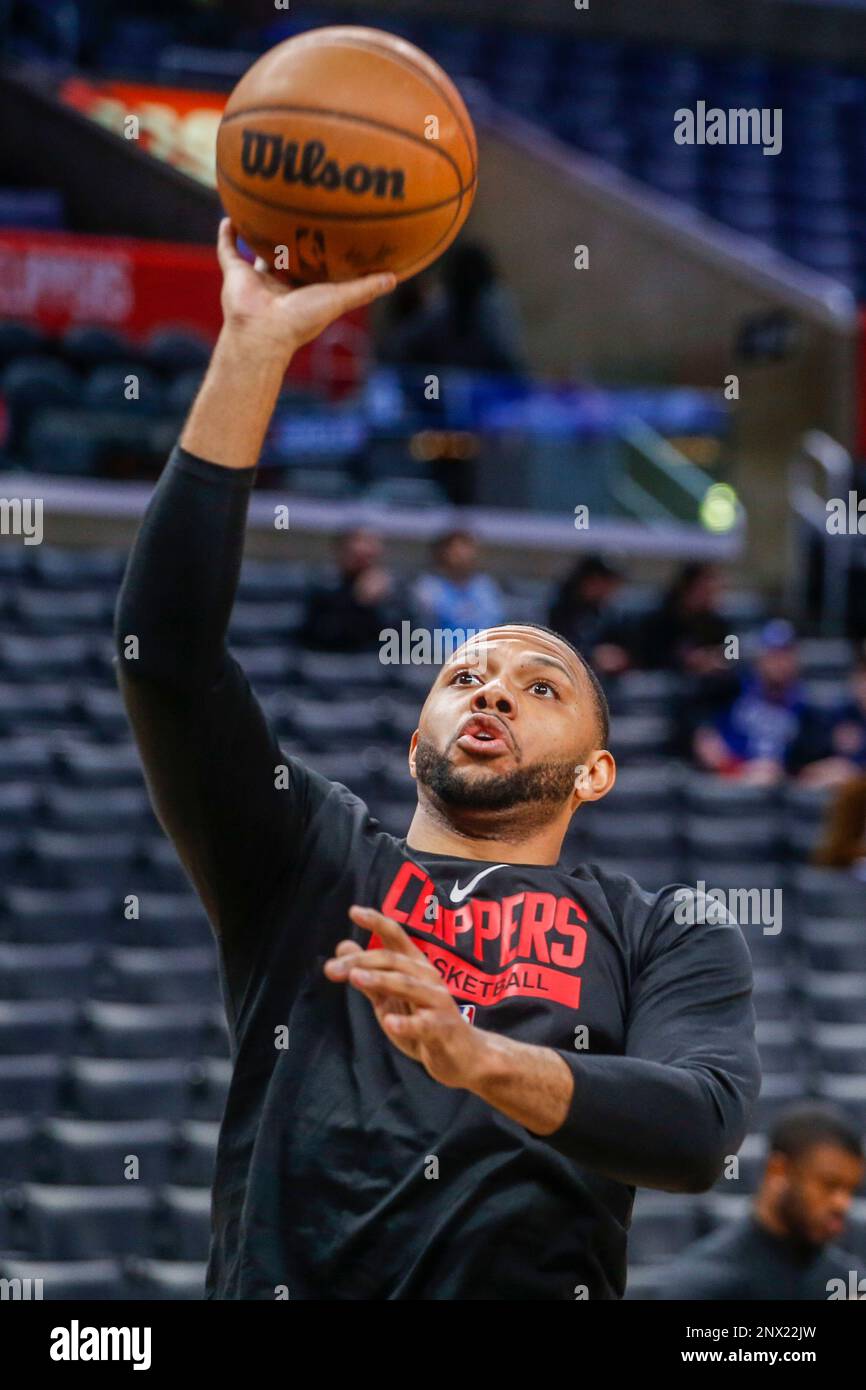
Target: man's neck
point(470, 840)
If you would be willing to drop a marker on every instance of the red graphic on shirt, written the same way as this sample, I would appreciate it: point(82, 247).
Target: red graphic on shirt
point(526, 944)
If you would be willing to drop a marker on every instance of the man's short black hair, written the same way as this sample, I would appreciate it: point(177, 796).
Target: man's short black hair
point(599, 699)
point(801, 1127)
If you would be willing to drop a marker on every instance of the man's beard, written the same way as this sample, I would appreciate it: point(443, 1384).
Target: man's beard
point(543, 785)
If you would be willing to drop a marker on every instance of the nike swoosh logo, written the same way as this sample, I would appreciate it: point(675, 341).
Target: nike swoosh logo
point(457, 893)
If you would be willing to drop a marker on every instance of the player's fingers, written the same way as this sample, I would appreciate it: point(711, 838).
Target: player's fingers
point(410, 1028)
point(352, 294)
point(348, 948)
point(392, 933)
point(227, 245)
point(421, 993)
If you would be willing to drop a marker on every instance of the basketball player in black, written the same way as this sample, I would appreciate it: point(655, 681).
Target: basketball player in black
point(453, 1058)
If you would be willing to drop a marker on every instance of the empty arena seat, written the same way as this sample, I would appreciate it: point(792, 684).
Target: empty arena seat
point(98, 1152)
point(44, 658)
point(833, 946)
point(124, 386)
point(835, 998)
point(716, 796)
point(63, 857)
point(17, 1147)
point(27, 756)
point(185, 1217)
point(38, 610)
point(164, 919)
point(29, 1085)
point(157, 975)
point(828, 893)
point(86, 346)
point(18, 803)
point(631, 834)
point(67, 1281)
point(210, 1085)
point(336, 675)
point(58, 915)
point(169, 1280)
point(141, 1030)
point(841, 1047)
point(84, 1223)
point(849, 1093)
point(779, 1042)
point(196, 1153)
point(324, 724)
point(662, 1224)
point(88, 809)
point(745, 1175)
point(103, 1089)
point(83, 761)
point(725, 837)
point(172, 350)
point(28, 706)
point(36, 1026)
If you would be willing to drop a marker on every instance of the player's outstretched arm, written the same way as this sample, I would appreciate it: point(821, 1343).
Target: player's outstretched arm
point(264, 325)
point(213, 766)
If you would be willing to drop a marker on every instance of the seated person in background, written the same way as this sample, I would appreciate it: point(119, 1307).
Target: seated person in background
point(686, 633)
point(837, 749)
point(347, 612)
point(843, 844)
point(469, 320)
point(454, 595)
point(756, 738)
point(785, 1247)
point(581, 611)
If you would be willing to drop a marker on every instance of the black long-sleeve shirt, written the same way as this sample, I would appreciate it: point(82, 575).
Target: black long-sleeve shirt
point(343, 1170)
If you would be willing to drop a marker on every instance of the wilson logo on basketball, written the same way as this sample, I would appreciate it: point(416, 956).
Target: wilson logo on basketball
point(268, 156)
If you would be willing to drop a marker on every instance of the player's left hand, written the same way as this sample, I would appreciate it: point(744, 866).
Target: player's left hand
point(412, 1005)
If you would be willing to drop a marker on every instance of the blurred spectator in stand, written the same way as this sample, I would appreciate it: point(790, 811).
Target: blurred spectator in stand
point(757, 738)
point(686, 633)
point(582, 611)
point(836, 751)
point(454, 595)
point(843, 844)
point(469, 320)
point(785, 1248)
point(347, 612)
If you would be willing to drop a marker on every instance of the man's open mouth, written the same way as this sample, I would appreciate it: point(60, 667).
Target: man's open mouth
point(484, 736)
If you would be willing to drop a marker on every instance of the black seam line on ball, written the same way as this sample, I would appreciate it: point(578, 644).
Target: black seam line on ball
point(315, 215)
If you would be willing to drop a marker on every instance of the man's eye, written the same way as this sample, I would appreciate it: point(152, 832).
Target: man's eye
point(463, 676)
point(544, 685)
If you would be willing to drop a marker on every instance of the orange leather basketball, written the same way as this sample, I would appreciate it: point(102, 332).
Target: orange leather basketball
point(343, 151)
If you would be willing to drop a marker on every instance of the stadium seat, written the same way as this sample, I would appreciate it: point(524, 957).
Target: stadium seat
point(157, 975)
point(37, 1026)
point(141, 1031)
point(210, 1085)
point(185, 1217)
point(98, 1152)
point(69, 1281)
point(43, 915)
point(101, 1089)
point(662, 1224)
point(17, 1147)
point(85, 346)
point(835, 998)
point(169, 1280)
point(841, 1048)
point(89, 809)
point(29, 1085)
point(85, 1223)
point(196, 1154)
point(172, 350)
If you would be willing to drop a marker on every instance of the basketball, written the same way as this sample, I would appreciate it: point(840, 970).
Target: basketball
point(345, 151)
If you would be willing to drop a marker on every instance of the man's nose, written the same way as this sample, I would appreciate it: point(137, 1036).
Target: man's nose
point(493, 696)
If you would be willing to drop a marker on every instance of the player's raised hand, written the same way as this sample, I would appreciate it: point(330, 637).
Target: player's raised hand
point(263, 308)
point(413, 1006)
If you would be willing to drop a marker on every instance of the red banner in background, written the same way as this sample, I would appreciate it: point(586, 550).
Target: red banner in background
point(55, 280)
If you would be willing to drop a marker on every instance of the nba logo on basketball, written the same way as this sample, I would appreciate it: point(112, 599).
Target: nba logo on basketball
point(468, 1012)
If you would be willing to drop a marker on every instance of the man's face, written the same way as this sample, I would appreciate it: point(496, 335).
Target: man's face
point(508, 722)
point(778, 666)
point(816, 1190)
point(459, 557)
point(358, 551)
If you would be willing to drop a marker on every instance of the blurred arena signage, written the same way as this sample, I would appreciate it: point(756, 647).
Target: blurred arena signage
point(56, 279)
point(170, 123)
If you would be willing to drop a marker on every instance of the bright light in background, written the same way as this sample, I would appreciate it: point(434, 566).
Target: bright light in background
point(720, 508)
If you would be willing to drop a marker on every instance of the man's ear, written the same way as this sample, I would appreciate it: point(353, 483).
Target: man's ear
point(413, 749)
point(594, 778)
